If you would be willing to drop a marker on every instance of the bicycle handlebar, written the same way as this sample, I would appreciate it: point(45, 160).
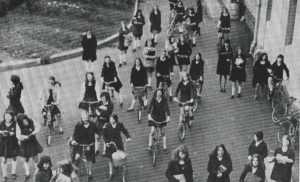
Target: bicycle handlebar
point(90, 102)
point(107, 83)
point(183, 103)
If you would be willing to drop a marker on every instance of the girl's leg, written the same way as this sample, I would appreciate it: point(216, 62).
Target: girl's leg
point(194, 38)
point(134, 43)
point(35, 160)
point(139, 42)
point(171, 70)
point(121, 59)
point(26, 166)
point(104, 148)
point(4, 167)
point(164, 138)
point(120, 97)
point(110, 164)
point(89, 163)
point(150, 136)
point(181, 113)
point(13, 165)
point(145, 101)
point(239, 89)
point(225, 79)
point(97, 144)
point(220, 83)
point(132, 103)
point(86, 64)
point(233, 89)
point(149, 74)
point(59, 122)
point(170, 91)
point(124, 57)
point(256, 90)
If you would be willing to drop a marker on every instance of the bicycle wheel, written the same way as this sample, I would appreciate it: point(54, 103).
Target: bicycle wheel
point(181, 132)
point(83, 171)
point(284, 130)
point(277, 98)
point(279, 113)
point(124, 173)
point(154, 155)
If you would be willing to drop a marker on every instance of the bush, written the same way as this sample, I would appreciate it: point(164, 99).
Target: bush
point(45, 59)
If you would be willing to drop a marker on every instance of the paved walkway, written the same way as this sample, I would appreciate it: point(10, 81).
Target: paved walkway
point(218, 118)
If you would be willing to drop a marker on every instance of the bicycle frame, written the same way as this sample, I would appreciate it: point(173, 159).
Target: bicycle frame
point(163, 84)
point(90, 108)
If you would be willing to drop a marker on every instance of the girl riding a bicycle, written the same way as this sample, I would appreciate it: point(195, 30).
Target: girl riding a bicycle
point(158, 116)
point(277, 73)
point(112, 133)
point(89, 94)
point(163, 72)
point(51, 96)
point(138, 83)
point(187, 95)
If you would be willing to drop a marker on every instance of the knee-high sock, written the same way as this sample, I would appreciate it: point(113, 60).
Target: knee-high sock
point(4, 168)
point(13, 166)
point(27, 168)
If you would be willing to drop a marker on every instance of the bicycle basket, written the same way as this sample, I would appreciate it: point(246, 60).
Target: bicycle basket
point(119, 158)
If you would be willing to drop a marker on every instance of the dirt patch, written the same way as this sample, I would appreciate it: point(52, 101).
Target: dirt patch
point(57, 26)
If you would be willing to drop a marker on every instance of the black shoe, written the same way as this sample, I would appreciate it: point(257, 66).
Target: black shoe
point(133, 50)
point(221, 90)
point(121, 104)
point(4, 179)
point(198, 98)
point(45, 122)
point(170, 98)
point(232, 97)
point(110, 177)
point(145, 107)
point(155, 43)
point(124, 63)
point(13, 176)
point(27, 177)
point(120, 65)
point(150, 87)
point(90, 176)
point(239, 95)
point(166, 151)
point(130, 110)
point(97, 152)
point(193, 45)
point(224, 90)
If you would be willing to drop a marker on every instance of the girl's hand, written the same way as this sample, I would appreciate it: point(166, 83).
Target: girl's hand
point(219, 175)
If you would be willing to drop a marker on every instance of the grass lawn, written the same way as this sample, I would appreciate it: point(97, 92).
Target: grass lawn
point(56, 26)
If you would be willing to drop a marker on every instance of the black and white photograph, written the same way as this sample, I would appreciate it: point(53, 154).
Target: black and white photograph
point(149, 90)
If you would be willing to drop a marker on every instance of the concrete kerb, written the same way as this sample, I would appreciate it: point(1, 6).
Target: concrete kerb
point(63, 55)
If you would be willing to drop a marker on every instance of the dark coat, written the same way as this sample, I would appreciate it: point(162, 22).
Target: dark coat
point(283, 172)
point(213, 167)
point(223, 66)
point(138, 78)
point(43, 175)
point(109, 73)
point(14, 96)
point(238, 73)
point(199, 12)
point(9, 146)
point(89, 48)
point(111, 134)
point(260, 173)
point(174, 168)
point(196, 70)
point(137, 26)
point(261, 149)
point(155, 20)
point(278, 70)
point(122, 35)
point(260, 73)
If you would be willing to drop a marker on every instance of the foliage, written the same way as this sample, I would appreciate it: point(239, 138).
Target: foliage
point(45, 59)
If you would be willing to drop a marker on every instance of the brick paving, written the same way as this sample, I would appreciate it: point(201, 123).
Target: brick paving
point(218, 119)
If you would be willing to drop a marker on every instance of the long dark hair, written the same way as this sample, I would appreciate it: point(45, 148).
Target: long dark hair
point(43, 160)
point(141, 63)
point(215, 152)
point(170, 38)
point(11, 114)
point(226, 11)
point(282, 58)
point(262, 55)
point(175, 153)
point(200, 55)
point(237, 52)
point(20, 117)
point(52, 78)
point(259, 161)
point(137, 12)
point(155, 95)
point(15, 79)
point(93, 79)
point(158, 11)
point(106, 95)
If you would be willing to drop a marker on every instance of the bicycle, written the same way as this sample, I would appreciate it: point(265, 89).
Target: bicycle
point(285, 110)
point(172, 27)
point(221, 36)
point(156, 137)
point(140, 91)
point(185, 121)
point(81, 163)
point(49, 121)
point(91, 115)
point(119, 159)
point(197, 99)
point(277, 92)
point(163, 85)
point(289, 127)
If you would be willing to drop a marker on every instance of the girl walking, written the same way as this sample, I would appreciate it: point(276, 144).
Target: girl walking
point(138, 22)
point(155, 20)
point(89, 45)
point(123, 44)
point(238, 72)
